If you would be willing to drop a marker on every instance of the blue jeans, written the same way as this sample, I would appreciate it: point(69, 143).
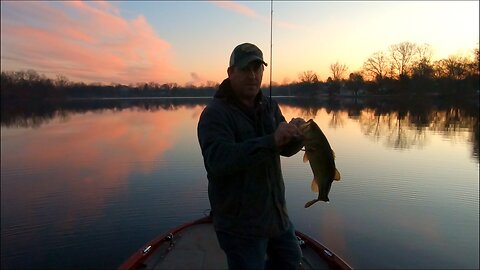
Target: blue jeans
point(283, 251)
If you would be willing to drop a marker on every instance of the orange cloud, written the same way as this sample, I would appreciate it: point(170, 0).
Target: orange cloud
point(86, 41)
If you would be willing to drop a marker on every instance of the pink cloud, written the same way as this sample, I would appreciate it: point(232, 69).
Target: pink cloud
point(87, 41)
point(245, 10)
point(236, 7)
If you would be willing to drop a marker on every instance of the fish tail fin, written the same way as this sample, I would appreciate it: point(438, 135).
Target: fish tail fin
point(337, 175)
point(314, 185)
point(308, 204)
point(305, 157)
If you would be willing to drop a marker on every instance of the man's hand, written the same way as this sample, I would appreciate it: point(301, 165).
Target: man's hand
point(286, 132)
point(297, 121)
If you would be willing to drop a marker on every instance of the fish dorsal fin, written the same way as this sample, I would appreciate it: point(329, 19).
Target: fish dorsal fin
point(314, 185)
point(337, 175)
point(305, 157)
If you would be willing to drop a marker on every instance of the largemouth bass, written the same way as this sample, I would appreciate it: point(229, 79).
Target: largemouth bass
point(322, 160)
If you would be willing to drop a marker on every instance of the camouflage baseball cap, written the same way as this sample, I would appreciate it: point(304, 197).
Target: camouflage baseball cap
point(245, 53)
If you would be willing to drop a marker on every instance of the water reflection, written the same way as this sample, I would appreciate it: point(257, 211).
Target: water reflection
point(64, 177)
point(35, 114)
point(103, 173)
point(410, 130)
point(400, 125)
point(88, 159)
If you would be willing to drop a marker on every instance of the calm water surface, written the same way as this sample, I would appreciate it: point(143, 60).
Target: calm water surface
point(86, 189)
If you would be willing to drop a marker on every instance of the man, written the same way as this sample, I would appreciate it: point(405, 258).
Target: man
point(242, 135)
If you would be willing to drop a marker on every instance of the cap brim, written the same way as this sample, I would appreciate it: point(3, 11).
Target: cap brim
point(247, 60)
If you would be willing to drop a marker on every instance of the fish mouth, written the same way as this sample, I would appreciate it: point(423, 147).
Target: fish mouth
point(305, 125)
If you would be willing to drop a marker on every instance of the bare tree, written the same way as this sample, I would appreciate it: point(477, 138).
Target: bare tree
point(476, 53)
point(308, 77)
point(474, 66)
point(355, 81)
point(61, 81)
point(402, 57)
point(423, 69)
point(211, 84)
point(338, 70)
point(454, 67)
point(424, 52)
point(422, 66)
point(376, 66)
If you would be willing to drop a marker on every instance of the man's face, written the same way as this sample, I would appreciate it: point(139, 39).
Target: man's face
point(246, 81)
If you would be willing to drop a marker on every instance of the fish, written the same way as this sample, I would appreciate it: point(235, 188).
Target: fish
point(322, 160)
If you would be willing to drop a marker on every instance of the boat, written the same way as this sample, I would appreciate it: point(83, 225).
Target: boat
point(194, 245)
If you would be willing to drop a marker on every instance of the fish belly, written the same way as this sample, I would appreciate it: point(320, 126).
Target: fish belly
point(323, 176)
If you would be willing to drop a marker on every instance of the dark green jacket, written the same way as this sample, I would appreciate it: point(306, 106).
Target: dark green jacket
point(245, 183)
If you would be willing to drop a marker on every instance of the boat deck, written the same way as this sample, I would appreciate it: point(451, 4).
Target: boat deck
point(196, 247)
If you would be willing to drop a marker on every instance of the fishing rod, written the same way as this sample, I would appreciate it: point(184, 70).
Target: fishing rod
point(271, 37)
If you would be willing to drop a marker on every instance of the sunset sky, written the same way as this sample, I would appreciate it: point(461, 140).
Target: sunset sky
point(189, 42)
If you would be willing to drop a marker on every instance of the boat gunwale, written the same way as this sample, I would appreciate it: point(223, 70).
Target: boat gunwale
point(139, 255)
point(134, 260)
point(330, 257)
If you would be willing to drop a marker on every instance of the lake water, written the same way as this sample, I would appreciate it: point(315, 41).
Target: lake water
point(85, 188)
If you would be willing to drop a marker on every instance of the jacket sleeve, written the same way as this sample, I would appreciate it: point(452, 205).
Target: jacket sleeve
point(291, 148)
point(221, 153)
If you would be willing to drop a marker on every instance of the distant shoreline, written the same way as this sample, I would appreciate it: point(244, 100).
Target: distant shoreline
point(315, 97)
point(133, 98)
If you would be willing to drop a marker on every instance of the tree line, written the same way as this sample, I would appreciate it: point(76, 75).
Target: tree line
point(403, 69)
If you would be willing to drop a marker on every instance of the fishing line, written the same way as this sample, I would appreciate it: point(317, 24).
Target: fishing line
point(271, 35)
